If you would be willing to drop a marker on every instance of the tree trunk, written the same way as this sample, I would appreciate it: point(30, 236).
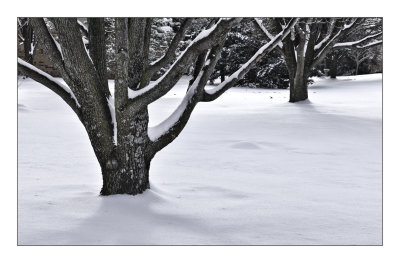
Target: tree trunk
point(127, 170)
point(357, 66)
point(222, 74)
point(130, 179)
point(298, 91)
point(333, 68)
point(298, 86)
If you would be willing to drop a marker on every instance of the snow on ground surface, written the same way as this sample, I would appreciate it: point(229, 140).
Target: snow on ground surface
point(249, 168)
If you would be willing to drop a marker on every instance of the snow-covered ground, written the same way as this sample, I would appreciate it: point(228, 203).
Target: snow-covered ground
point(249, 168)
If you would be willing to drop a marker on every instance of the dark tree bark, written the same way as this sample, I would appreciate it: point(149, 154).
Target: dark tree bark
point(97, 49)
point(118, 126)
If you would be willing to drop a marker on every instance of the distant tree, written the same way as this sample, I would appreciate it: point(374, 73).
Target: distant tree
point(117, 125)
point(353, 56)
point(332, 61)
point(311, 40)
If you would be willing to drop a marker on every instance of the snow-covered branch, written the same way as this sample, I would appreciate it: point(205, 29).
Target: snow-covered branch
point(328, 34)
point(210, 95)
point(205, 40)
point(52, 83)
point(372, 44)
point(356, 43)
point(166, 126)
point(270, 36)
point(165, 132)
point(325, 49)
point(83, 28)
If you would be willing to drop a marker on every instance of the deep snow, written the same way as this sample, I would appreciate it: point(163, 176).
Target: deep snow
point(249, 168)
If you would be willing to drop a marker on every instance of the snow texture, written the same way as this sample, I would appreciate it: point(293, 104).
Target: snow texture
point(249, 168)
point(51, 78)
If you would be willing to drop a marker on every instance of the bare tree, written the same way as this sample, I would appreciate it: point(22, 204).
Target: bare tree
point(311, 40)
point(118, 125)
point(361, 55)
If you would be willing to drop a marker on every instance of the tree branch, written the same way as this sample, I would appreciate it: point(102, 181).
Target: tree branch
point(210, 95)
point(170, 53)
point(269, 36)
point(205, 40)
point(48, 43)
point(165, 132)
point(83, 28)
point(48, 81)
point(325, 49)
point(372, 44)
point(356, 43)
point(201, 59)
point(138, 31)
point(328, 34)
point(84, 81)
point(122, 60)
point(97, 50)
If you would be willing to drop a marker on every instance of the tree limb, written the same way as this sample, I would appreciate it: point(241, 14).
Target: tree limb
point(258, 24)
point(165, 132)
point(328, 34)
point(170, 53)
point(83, 28)
point(138, 34)
point(205, 40)
point(325, 49)
point(122, 60)
point(201, 59)
point(48, 44)
point(97, 50)
point(210, 95)
point(372, 44)
point(356, 43)
point(48, 81)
